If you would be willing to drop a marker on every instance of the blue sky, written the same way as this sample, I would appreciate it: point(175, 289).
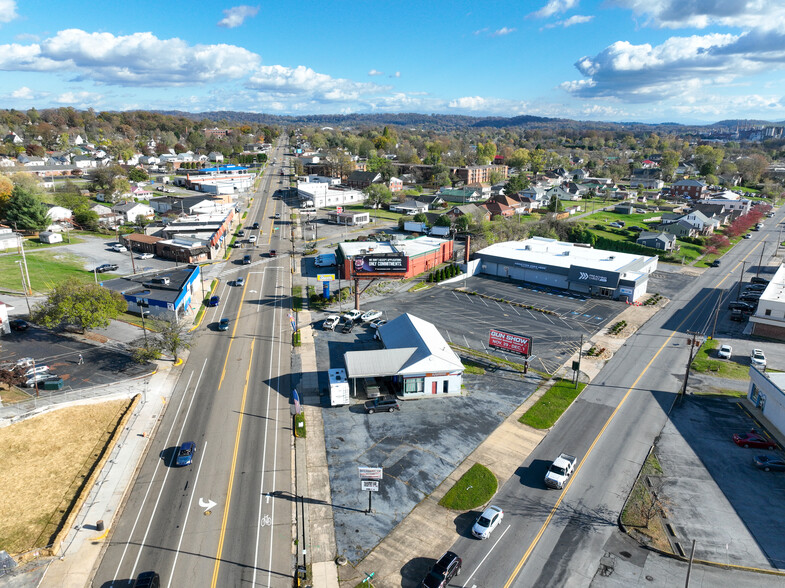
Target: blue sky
point(611, 60)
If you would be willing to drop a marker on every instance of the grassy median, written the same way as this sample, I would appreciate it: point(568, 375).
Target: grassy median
point(476, 487)
point(546, 411)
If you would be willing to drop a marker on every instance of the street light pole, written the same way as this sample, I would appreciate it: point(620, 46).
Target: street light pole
point(24, 286)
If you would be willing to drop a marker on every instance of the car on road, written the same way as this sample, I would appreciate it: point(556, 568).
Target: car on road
point(381, 404)
point(239, 281)
point(144, 256)
point(768, 463)
point(758, 358)
point(119, 248)
point(330, 322)
point(724, 352)
point(241, 233)
point(444, 570)
point(277, 215)
point(715, 263)
point(255, 226)
point(148, 580)
point(223, 324)
point(378, 323)
point(747, 236)
point(19, 325)
point(487, 522)
point(106, 267)
point(214, 301)
point(755, 440)
point(273, 253)
point(252, 239)
point(742, 306)
point(185, 455)
point(371, 315)
point(352, 315)
point(246, 259)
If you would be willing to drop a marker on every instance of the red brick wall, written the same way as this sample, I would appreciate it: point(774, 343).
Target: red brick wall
point(416, 265)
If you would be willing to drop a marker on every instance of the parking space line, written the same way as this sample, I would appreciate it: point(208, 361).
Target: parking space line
point(515, 309)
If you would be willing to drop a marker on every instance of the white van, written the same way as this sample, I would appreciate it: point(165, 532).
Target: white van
point(324, 260)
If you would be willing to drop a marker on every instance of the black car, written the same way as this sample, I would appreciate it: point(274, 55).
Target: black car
point(255, 226)
point(759, 280)
point(347, 327)
point(106, 267)
point(742, 306)
point(19, 325)
point(715, 263)
point(444, 570)
point(246, 259)
point(388, 403)
point(736, 315)
point(756, 287)
point(148, 580)
point(750, 296)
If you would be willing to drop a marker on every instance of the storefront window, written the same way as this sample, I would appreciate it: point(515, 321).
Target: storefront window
point(413, 386)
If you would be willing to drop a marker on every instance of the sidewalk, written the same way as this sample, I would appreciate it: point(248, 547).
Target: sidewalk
point(84, 544)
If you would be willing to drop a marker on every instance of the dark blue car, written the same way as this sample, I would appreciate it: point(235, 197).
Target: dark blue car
point(214, 300)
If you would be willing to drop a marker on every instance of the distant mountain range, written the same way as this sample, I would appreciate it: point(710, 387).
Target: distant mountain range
point(442, 121)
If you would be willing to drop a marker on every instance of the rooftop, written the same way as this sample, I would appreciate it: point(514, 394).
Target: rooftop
point(409, 247)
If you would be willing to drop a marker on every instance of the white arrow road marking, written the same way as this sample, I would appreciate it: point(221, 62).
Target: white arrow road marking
point(206, 504)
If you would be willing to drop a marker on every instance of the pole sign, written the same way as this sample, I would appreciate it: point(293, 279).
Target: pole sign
point(325, 277)
point(370, 485)
point(510, 342)
point(370, 473)
point(339, 209)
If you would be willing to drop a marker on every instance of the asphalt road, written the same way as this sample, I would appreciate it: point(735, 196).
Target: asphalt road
point(225, 520)
point(551, 538)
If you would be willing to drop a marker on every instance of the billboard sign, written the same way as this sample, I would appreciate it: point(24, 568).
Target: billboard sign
point(370, 473)
point(510, 342)
point(370, 264)
point(593, 277)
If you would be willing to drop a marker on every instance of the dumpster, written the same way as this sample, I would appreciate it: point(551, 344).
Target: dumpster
point(53, 384)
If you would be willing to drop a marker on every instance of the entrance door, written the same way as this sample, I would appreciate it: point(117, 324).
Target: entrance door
point(434, 387)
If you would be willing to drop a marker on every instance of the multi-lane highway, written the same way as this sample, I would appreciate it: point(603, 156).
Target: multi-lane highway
point(218, 522)
point(556, 538)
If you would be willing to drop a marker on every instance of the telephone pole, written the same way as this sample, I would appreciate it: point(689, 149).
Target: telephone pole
point(692, 341)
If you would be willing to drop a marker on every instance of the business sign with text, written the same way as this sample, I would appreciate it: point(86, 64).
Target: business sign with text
point(510, 342)
point(372, 264)
point(595, 277)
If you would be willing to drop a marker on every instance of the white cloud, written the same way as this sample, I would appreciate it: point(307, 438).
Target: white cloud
point(554, 7)
point(468, 103)
point(23, 93)
point(234, 17)
point(282, 80)
point(79, 99)
point(481, 31)
point(139, 59)
point(397, 74)
point(375, 72)
point(8, 10)
point(502, 31)
point(674, 14)
point(568, 22)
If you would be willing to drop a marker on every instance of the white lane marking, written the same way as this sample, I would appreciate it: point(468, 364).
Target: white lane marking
point(486, 556)
point(150, 485)
point(206, 506)
point(161, 491)
point(261, 520)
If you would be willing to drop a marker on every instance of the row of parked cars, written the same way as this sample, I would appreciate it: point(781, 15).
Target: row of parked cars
point(349, 319)
point(748, 299)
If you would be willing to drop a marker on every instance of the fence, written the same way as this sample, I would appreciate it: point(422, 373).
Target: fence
point(10, 413)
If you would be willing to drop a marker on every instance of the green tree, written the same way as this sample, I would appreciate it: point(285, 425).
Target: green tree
point(463, 222)
point(443, 221)
point(555, 205)
point(378, 194)
point(420, 218)
point(669, 163)
point(171, 337)
point(519, 159)
point(752, 168)
point(708, 159)
point(382, 165)
point(515, 184)
point(486, 152)
point(137, 175)
point(86, 219)
point(85, 306)
point(26, 212)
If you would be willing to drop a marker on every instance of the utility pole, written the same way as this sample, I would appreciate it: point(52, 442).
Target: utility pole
point(693, 339)
point(760, 261)
point(578, 371)
point(26, 275)
point(716, 315)
point(741, 279)
point(24, 285)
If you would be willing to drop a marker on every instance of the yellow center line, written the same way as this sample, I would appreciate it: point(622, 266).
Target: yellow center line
point(547, 522)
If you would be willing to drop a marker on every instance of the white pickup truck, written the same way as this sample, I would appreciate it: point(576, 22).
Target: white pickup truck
point(560, 471)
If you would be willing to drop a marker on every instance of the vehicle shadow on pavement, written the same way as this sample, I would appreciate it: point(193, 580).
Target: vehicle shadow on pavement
point(533, 476)
point(414, 570)
point(464, 523)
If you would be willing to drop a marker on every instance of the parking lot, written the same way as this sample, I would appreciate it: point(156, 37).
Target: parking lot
point(713, 492)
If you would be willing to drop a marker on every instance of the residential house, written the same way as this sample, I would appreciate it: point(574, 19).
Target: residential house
point(132, 210)
point(680, 228)
point(730, 179)
point(410, 207)
point(704, 224)
point(498, 209)
point(526, 204)
point(559, 193)
point(215, 156)
point(535, 192)
point(395, 184)
point(433, 201)
point(576, 189)
point(693, 189)
point(59, 213)
point(50, 237)
point(13, 138)
point(142, 192)
point(483, 187)
point(476, 212)
point(658, 240)
point(461, 195)
point(647, 183)
point(30, 160)
point(84, 161)
point(363, 179)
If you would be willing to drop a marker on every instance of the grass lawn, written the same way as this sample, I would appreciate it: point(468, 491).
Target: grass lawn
point(41, 478)
point(374, 213)
point(546, 411)
point(640, 512)
point(706, 361)
point(36, 244)
point(297, 298)
point(476, 487)
point(300, 430)
point(46, 269)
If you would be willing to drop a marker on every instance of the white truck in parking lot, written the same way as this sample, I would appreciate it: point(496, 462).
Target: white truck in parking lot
point(560, 471)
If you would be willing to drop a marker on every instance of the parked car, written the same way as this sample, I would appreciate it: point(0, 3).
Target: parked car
point(38, 378)
point(239, 281)
point(768, 463)
point(388, 403)
point(759, 280)
point(347, 327)
point(148, 580)
point(241, 233)
point(715, 263)
point(19, 325)
point(750, 296)
point(119, 248)
point(378, 323)
point(214, 301)
point(757, 358)
point(615, 225)
point(223, 324)
point(747, 236)
point(755, 440)
point(144, 256)
point(371, 315)
point(724, 352)
point(737, 315)
point(185, 454)
point(444, 570)
point(742, 306)
point(487, 522)
point(352, 315)
point(106, 267)
point(330, 322)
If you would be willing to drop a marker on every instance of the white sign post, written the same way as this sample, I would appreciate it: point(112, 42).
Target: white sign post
point(370, 479)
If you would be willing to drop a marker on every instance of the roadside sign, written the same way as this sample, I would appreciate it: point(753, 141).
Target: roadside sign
point(370, 485)
point(339, 209)
point(370, 473)
point(325, 277)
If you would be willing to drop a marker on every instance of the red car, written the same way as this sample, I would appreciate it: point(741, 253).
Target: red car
point(754, 439)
